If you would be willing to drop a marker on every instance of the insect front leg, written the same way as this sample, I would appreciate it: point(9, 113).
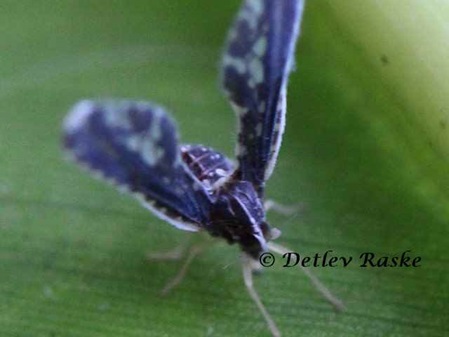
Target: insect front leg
point(248, 268)
point(320, 287)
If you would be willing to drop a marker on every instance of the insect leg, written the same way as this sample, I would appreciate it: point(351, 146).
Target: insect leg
point(248, 268)
point(193, 252)
point(320, 287)
point(271, 205)
point(174, 254)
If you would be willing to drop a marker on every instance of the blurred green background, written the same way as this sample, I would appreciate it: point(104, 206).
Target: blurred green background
point(73, 250)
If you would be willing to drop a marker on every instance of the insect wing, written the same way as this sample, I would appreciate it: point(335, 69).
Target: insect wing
point(255, 68)
point(208, 165)
point(134, 145)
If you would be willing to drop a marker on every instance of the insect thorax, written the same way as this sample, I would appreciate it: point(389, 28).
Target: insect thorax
point(238, 216)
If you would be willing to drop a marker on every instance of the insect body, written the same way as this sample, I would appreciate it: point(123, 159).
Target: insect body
point(135, 145)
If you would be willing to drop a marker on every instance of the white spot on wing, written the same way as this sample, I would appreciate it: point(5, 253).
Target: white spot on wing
point(251, 13)
point(78, 115)
point(115, 114)
point(260, 46)
point(277, 127)
point(155, 132)
point(240, 111)
point(234, 62)
point(256, 70)
point(256, 6)
point(241, 150)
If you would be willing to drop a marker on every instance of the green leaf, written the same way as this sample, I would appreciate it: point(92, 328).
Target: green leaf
point(365, 149)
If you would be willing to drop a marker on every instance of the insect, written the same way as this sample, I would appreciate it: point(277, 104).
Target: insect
point(135, 146)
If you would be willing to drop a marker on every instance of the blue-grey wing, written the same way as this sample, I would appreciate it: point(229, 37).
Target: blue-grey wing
point(255, 68)
point(134, 145)
point(207, 165)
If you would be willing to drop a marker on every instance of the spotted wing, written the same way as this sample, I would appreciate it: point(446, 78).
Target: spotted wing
point(255, 68)
point(134, 145)
point(208, 165)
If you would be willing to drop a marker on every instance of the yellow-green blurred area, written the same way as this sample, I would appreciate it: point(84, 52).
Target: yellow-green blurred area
point(363, 150)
